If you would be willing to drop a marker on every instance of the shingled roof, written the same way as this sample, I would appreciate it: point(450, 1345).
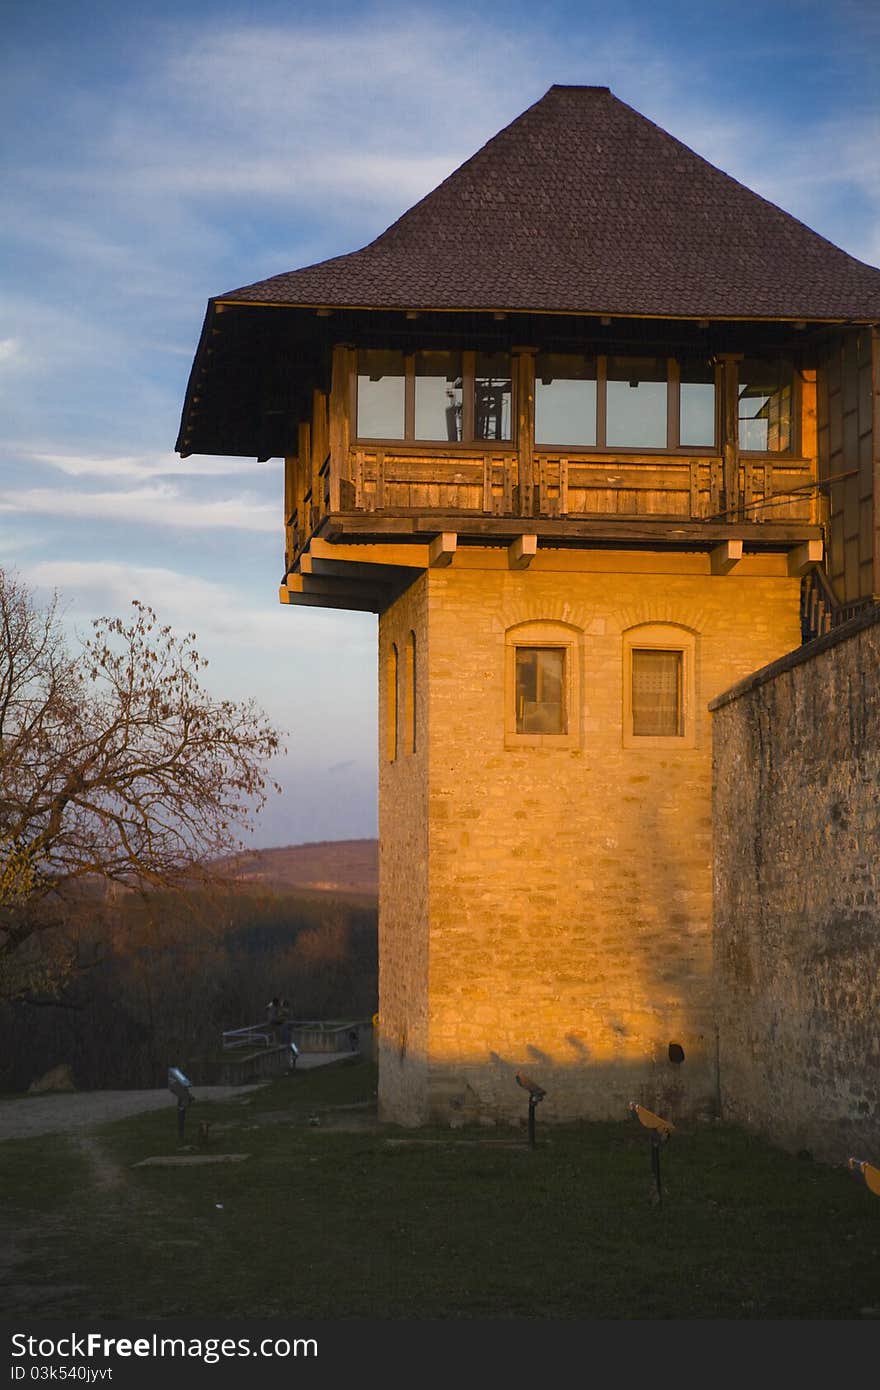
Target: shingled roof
point(582, 205)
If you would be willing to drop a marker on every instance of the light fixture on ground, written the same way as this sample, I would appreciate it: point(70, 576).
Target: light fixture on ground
point(181, 1087)
point(660, 1131)
point(868, 1172)
point(536, 1095)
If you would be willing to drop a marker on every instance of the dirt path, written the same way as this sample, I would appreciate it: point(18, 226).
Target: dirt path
point(81, 1110)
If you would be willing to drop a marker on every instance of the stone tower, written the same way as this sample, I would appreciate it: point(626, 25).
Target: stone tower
point(573, 428)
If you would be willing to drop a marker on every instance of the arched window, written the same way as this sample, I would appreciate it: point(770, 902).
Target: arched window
point(542, 685)
point(659, 686)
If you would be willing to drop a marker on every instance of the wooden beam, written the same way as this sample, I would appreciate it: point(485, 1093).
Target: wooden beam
point(442, 549)
point(805, 556)
point(522, 551)
point(730, 433)
point(356, 571)
point(378, 553)
point(319, 585)
point(725, 556)
point(355, 604)
point(358, 598)
point(525, 410)
point(660, 533)
point(339, 423)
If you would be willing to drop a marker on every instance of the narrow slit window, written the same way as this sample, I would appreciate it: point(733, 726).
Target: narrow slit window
point(392, 702)
point(410, 713)
point(540, 690)
point(657, 693)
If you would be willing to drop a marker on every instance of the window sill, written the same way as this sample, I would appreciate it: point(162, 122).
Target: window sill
point(436, 446)
point(669, 742)
point(514, 741)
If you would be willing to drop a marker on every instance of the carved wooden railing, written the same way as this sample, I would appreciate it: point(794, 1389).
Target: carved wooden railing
point(475, 481)
point(391, 478)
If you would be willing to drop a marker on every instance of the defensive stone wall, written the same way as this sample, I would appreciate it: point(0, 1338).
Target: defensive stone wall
point(797, 888)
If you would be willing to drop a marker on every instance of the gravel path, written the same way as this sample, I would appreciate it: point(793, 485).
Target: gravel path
point(79, 1110)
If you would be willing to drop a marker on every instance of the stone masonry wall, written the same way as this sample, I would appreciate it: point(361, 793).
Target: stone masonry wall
point(403, 872)
point(797, 832)
point(569, 889)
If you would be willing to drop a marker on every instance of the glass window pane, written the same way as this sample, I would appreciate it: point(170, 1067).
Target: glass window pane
point(381, 391)
point(636, 402)
point(540, 687)
point(492, 396)
point(565, 399)
point(438, 395)
point(765, 405)
point(697, 405)
point(657, 705)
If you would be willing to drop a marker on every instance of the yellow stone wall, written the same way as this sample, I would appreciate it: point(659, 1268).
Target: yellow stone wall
point(545, 907)
point(403, 874)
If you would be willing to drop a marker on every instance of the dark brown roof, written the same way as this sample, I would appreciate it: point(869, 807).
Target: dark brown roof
point(581, 205)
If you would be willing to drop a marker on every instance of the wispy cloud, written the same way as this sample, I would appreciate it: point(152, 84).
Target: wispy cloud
point(142, 465)
point(10, 352)
point(162, 505)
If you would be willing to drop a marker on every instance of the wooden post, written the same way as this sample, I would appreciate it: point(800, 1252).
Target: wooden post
point(340, 423)
point(694, 485)
point(359, 479)
point(290, 465)
point(525, 428)
point(563, 487)
point(809, 445)
point(730, 436)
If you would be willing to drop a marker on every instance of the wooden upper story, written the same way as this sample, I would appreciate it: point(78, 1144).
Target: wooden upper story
point(612, 439)
point(586, 336)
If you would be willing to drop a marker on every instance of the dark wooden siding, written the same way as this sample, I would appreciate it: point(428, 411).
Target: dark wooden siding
point(849, 440)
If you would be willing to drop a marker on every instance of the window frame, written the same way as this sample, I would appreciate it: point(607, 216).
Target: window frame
point(410, 443)
point(673, 412)
point(794, 446)
point(468, 439)
point(551, 634)
point(667, 637)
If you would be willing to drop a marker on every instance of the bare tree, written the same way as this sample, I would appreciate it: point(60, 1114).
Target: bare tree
point(116, 767)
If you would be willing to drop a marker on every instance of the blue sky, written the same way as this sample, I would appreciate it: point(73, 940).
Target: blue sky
point(157, 154)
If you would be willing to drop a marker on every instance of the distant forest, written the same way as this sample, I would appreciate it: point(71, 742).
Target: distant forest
point(170, 975)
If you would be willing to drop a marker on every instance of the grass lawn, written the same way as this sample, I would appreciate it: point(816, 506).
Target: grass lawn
point(344, 1218)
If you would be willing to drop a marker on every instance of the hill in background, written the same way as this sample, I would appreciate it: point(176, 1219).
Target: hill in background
point(328, 866)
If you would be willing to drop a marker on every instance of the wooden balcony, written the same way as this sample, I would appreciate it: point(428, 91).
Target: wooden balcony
point(349, 492)
point(574, 498)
